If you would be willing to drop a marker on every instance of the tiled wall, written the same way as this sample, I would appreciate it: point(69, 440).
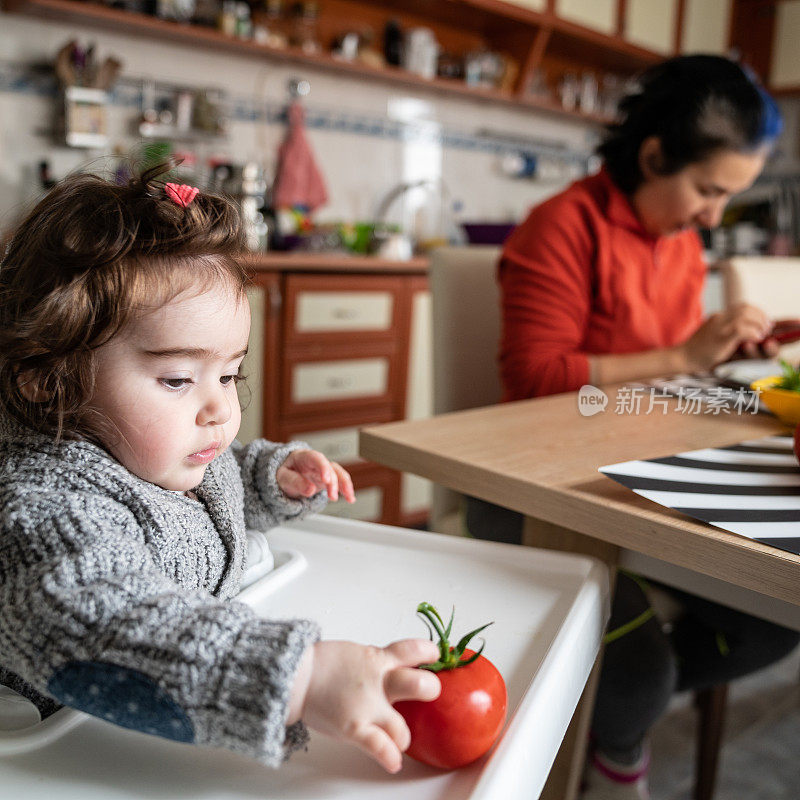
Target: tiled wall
point(367, 136)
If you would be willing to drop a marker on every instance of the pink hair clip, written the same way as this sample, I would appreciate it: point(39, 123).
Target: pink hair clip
point(181, 193)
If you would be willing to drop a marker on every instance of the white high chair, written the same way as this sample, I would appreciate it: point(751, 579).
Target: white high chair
point(361, 582)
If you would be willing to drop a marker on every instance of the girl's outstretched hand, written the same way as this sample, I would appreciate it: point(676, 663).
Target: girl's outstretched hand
point(346, 690)
point(306, 472)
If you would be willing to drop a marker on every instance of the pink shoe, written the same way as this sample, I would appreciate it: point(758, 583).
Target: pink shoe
point(607, 780)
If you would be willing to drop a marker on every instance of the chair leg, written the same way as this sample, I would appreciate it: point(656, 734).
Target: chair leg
point(710, 704)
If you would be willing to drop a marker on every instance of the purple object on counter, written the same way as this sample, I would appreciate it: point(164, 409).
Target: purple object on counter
point(488, 232)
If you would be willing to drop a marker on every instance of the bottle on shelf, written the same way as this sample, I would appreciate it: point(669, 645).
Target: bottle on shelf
point(304, 26)
point(226, 22)
point(46, 180)
point(273, 21)
point(393, 43)
point(244, 24)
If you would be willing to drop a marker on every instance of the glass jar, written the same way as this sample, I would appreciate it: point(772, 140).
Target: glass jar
point(304, 26)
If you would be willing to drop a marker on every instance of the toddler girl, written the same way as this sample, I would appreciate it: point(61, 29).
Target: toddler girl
point(124, 497)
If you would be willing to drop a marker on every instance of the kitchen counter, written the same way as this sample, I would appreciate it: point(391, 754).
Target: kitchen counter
point(295, 261)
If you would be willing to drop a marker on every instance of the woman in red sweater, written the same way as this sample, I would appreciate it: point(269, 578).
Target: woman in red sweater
point(603, 283)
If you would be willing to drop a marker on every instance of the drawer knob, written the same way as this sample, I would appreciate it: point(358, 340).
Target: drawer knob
point(339, 382)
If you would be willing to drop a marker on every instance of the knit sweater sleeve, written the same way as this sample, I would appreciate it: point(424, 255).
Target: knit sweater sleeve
point(87, 618)
point(265, 504)
point(545, 282)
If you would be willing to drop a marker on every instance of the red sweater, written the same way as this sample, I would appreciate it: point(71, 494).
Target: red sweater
point(581, 276)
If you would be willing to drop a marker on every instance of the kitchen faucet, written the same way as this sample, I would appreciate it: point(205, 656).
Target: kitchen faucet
point(394, 244)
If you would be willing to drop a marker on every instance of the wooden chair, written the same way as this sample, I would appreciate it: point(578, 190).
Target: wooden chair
point(465, 301)
point(466, 335)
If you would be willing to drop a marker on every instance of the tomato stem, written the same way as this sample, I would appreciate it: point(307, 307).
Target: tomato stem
point(449, 657)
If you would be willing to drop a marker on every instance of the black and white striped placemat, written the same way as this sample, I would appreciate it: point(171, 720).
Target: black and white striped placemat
point(752, 488)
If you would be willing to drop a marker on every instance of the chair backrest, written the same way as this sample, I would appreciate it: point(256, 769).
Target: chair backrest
point(466, 334)
point(770, 282)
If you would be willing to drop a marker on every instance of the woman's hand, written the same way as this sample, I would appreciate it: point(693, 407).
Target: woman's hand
point(718, 338)
point(306, 472)
point(346, 690)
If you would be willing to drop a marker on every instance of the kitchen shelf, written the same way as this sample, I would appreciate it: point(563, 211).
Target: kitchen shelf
point(785, 91)
point(535, 40)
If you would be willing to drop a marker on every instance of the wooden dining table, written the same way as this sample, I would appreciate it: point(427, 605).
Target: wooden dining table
point(541, 457)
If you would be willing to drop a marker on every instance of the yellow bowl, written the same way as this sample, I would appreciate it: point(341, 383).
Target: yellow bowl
point(783, 403)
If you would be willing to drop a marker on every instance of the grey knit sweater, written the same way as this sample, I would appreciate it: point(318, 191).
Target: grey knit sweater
point(115, 593)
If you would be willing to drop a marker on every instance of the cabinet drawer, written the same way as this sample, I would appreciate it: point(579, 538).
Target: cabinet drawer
point(343, 311)
point(251, 391)
point(368, 505)
point(338, 384)
point(332, 309)
point(340, 379)
point(340, 444)
point(335, 434)
point(377, 495)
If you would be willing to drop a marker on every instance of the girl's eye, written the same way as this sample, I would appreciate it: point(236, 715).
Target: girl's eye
point(174, 384)
point(226, 380)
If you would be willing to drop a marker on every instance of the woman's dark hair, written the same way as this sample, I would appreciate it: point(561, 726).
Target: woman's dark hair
point(87, 260)
point(696, 106)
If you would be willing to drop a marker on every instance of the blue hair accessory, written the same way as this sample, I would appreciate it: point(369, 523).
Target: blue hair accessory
point(771, 118)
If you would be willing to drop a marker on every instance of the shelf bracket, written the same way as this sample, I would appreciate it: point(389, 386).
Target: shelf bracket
point(533, 60)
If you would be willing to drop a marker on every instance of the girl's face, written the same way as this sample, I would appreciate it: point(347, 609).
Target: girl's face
point(167, 384)
point(697, 195)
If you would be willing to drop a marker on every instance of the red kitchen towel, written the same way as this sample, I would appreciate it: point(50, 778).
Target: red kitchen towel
point(298, 181)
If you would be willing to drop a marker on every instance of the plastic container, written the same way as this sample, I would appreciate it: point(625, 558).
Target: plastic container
point(488, 232)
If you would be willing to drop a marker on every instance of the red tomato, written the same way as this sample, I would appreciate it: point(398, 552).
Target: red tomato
point(464, 721)
point(797, 442)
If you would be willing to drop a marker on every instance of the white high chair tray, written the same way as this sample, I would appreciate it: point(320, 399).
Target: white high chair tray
point(362, 582)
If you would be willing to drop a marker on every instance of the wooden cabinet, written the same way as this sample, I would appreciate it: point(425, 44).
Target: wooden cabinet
point(651, 24)
point(331, 351)
point(534, 5)
point(785, 65)
point(765, 32)
point(416, 493)
point(706, 26)
point(344, 345)
point(257, 393)
point(598, 15)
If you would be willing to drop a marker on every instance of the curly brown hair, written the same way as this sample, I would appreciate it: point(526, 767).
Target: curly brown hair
point(87, 260)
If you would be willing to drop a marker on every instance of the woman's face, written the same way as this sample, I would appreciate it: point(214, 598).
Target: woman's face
point(697, 195)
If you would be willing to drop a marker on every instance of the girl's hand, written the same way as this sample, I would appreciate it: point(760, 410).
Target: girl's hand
point(306, 472)
point(346, 690)
point(717, 339)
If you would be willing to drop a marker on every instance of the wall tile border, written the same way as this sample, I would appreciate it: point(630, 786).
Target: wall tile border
point(40, 82)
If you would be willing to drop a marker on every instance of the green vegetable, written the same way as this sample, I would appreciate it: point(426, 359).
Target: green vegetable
point(449, 657)
point(790, 379)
